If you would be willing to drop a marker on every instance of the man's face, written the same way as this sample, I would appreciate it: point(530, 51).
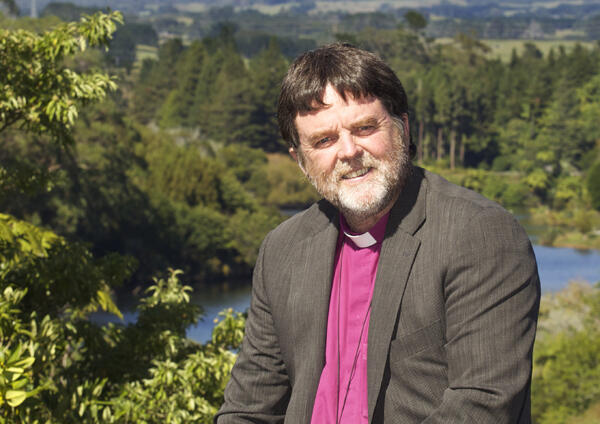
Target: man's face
point(353, 153)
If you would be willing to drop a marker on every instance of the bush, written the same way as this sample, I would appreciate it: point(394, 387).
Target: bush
point(494, 186)
point(515, 195)
point(567, 188)
point(593, 185)
point(502, 163)
point(566, 372)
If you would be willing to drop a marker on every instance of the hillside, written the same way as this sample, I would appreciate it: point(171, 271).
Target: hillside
point(443, 8)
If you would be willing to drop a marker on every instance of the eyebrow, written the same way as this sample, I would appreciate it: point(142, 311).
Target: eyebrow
point(371, 120)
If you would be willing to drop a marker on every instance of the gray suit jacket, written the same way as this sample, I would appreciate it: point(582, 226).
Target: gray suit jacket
point(452, 324)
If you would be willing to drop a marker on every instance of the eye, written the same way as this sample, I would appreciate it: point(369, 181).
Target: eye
point(365, 130)
point(324, 141)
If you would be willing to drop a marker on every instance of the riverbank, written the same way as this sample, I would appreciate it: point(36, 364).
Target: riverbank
point(577, 228)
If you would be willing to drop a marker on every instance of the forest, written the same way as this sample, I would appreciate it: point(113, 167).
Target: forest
point(120, 172)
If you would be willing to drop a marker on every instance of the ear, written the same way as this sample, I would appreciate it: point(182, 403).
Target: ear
point(293, 154)
point(406, 125)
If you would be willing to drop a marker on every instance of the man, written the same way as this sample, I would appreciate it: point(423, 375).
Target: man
point(399, 298)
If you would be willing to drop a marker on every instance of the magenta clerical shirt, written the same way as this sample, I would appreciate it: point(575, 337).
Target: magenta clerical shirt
point(352, 289)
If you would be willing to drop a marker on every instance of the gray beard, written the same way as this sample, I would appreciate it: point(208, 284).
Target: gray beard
point(396, 172)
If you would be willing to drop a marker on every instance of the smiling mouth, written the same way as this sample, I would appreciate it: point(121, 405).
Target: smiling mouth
point(356, 174)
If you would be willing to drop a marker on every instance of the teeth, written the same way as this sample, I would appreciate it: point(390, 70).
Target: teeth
point(357, 173)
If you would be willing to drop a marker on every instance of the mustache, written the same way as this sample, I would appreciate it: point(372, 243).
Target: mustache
point(345, 167)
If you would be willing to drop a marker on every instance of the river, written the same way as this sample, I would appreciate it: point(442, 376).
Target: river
point(557, 266)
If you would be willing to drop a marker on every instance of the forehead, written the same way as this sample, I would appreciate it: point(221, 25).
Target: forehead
point(339, 112)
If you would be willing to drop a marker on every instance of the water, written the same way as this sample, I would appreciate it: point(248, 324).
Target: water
point(557, 266)
point(214, 302)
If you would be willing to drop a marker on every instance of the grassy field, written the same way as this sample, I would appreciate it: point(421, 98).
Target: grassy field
point(503, 48)
point(145, 52)
point(355, 6)
point(191, 7)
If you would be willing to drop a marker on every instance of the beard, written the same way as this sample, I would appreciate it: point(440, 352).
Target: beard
point(365, 199)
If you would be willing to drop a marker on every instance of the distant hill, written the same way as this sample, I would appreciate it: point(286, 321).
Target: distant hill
point(444, 8)
point(301, 24)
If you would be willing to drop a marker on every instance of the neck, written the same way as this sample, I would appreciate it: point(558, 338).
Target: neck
point(360, 223)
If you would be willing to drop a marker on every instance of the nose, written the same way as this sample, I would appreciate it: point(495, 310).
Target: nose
point(348, 148)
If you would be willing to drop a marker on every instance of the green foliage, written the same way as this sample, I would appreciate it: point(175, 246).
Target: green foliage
point(15, 374)
point(56, 364)
point(156, 80)
point(194, 198)
point(216, 91)
point(516, 195)
point(567, 188)
point(188, 390)
point(67, 11)
point(566, 362)
point(289, 188)
point(48, 286)
point(205, 190)
point(469, 110)
point(250, 167)
point(11, 5)
point(538, 181)
point(415, 20)
point(165, 199)
point(503, 187)
point(593, 185)
point(40, 95)
point(575, 226)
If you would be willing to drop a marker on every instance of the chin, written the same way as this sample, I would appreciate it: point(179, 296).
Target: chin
point(364, 205)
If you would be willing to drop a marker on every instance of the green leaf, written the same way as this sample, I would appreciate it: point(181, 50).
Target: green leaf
point(15, 397)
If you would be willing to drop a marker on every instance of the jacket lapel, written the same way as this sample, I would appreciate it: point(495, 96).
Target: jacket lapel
point(398, 253)
point(309, 300)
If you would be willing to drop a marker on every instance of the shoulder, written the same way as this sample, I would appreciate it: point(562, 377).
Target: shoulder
point(282, 240)
point(442, 191)
point(305, 224)
point(462, 214)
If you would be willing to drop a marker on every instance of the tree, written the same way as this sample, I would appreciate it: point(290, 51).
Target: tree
point(55, 364)
point(11, 5)
point(415, 20)
point(266, 71)
point(593, 185)
point(566, 368)
point(67, 11)
point(39, 94)
point(156, 80)
point(179, 108)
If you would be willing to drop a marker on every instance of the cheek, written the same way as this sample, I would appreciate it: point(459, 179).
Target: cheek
point(320, 162)
point(381, 147)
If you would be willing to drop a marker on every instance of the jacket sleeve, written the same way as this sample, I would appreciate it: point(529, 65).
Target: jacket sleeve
point(492, 293)
point(259, 389)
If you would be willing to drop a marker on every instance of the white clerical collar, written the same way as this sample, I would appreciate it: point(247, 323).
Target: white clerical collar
point(362, 240)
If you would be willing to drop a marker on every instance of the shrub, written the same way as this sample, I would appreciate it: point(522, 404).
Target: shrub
point(593, 185)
